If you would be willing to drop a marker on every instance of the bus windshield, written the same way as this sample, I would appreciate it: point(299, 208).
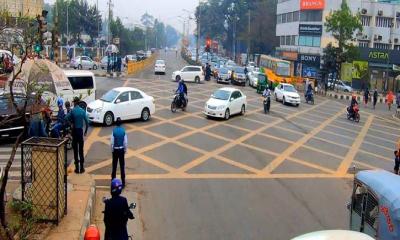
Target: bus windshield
point(283, 69)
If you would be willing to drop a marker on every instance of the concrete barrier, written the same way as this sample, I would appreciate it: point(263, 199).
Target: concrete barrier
point(134, 67)
point(347, 96)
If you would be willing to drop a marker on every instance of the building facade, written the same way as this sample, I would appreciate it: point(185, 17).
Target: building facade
point(300, 28)
point(28, 8)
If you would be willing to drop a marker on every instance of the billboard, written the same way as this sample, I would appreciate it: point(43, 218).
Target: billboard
point(312, 4)
point(307, 29)
point(360, 69)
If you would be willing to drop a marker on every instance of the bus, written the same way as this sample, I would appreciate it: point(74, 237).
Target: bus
point(277, 70)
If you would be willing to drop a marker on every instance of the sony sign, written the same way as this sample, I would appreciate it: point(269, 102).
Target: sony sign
point(310, 60)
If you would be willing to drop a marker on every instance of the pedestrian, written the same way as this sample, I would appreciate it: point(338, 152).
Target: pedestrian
point(396, 162)
point(375, 97)
point(37, 126)
point(119, 144)
point(367, 95)
point(398, 99)
point(77, 117)
point(389, 99)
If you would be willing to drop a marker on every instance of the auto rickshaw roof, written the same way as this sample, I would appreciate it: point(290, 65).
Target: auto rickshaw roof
point(385, 184)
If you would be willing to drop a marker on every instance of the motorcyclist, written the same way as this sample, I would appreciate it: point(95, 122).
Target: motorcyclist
point(116, 213)
point(60, 123)
point(352, 104)
point(309, 91)
point(182, 92)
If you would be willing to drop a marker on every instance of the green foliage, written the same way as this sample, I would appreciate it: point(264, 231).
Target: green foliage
point(156, 35)
point(219, 19)
point(82, 18)
point(26, 224)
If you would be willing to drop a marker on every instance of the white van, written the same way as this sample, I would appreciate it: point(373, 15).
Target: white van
point(83, 84)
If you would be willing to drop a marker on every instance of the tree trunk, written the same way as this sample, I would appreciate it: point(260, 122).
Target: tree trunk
point(3, 186)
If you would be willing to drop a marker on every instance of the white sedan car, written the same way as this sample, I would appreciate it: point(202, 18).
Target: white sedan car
point(123, 102)
point(159, 67)
point(226, 102)
point(287, 94)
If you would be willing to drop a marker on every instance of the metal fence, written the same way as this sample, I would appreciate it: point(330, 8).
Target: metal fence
point(44, 177)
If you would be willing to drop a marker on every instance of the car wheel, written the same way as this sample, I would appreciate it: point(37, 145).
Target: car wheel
point(79, 67)
point(346, 90)
point(283, 100)
point(243, 111)
point(178, 78)
point(227, 114)
point(297, 105)
point(108, 119)
point(94, 67)
point(145, 115)
point(173, 107)
point(197, 79)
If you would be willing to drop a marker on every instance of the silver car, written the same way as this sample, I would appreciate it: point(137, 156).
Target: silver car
point(83, 62)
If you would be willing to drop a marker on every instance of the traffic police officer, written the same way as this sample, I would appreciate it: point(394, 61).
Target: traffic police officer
point(119, 144)
point(77, 117)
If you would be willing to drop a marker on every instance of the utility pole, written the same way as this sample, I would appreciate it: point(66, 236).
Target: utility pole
point(198, 33)
point(248, 37)
point(68, 22)
point(55, 42)
point(98, 31)
point(109, 21)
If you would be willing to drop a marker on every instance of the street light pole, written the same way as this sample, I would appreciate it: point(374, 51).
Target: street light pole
point(198, 33)
point(248, 36)
point(68, 22)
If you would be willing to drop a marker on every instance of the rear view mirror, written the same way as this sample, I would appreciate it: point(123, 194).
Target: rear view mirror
point(231, 99)
point(118, 101)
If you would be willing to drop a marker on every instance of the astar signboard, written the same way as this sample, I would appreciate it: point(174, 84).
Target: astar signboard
point(312, 4)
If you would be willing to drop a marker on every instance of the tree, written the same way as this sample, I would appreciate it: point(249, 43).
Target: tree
point(23, 37)
point(344, 26)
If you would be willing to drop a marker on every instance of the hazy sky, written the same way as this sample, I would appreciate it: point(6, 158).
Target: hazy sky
point(166, 10)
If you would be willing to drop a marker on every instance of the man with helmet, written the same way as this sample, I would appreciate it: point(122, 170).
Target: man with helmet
point(59, 125)
point(352, 104)
point(182, 91)
point(116, 213)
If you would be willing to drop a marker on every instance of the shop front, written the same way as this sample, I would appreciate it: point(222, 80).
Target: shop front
point(377, 68)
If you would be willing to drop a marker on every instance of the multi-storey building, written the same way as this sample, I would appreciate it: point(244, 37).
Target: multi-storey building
point(29, 8)
point(300, 28)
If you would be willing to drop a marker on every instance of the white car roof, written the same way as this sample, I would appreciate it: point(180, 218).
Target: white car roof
point(334, 235)
point(287, 84)
point(229, 89)
point(124, 89)
point(78, 73)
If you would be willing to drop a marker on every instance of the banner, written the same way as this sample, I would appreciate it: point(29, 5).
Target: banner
point(312, 4)
point(307, 29)
point(346, 72)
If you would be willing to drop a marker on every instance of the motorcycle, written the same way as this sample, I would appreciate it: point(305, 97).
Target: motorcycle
point(65, 134)
point(177, 102)
point(267, 104)
point(310, 98)
point(355, 115)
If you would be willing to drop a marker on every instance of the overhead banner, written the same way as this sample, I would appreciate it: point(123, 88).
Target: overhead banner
point(312, 4)
point(307, 29)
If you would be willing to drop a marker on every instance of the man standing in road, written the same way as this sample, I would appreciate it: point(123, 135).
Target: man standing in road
point(375, 97)
point(119, 144)
point(77, 117)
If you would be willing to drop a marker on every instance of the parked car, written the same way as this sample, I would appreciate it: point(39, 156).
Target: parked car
point(7, 111)
point(224, 75)
point(159, 67)
point(239, 76)
point(287, 94)
point(83, 62)
point(340, 85)
point(189, 74)
point(123, 102)
point(252, 77)
point(225, 102)
point(83, 84)
point(130, 58)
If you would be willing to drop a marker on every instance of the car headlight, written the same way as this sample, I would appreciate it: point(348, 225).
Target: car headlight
point(220, 107)
point(98, 110)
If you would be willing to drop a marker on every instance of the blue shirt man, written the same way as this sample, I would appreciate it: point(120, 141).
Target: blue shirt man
point(119, 145)
point(77, 117)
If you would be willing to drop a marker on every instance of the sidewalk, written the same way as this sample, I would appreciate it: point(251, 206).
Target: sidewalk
point(80, 202)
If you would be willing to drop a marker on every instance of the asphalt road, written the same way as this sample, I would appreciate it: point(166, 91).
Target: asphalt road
point(253, 177)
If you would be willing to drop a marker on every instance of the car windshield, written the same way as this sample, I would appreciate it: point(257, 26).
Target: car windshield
point(160, 62)
point(109, 96)
point(239, 70)
point(289, 88)
point(223, 70)
point(221, 95)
